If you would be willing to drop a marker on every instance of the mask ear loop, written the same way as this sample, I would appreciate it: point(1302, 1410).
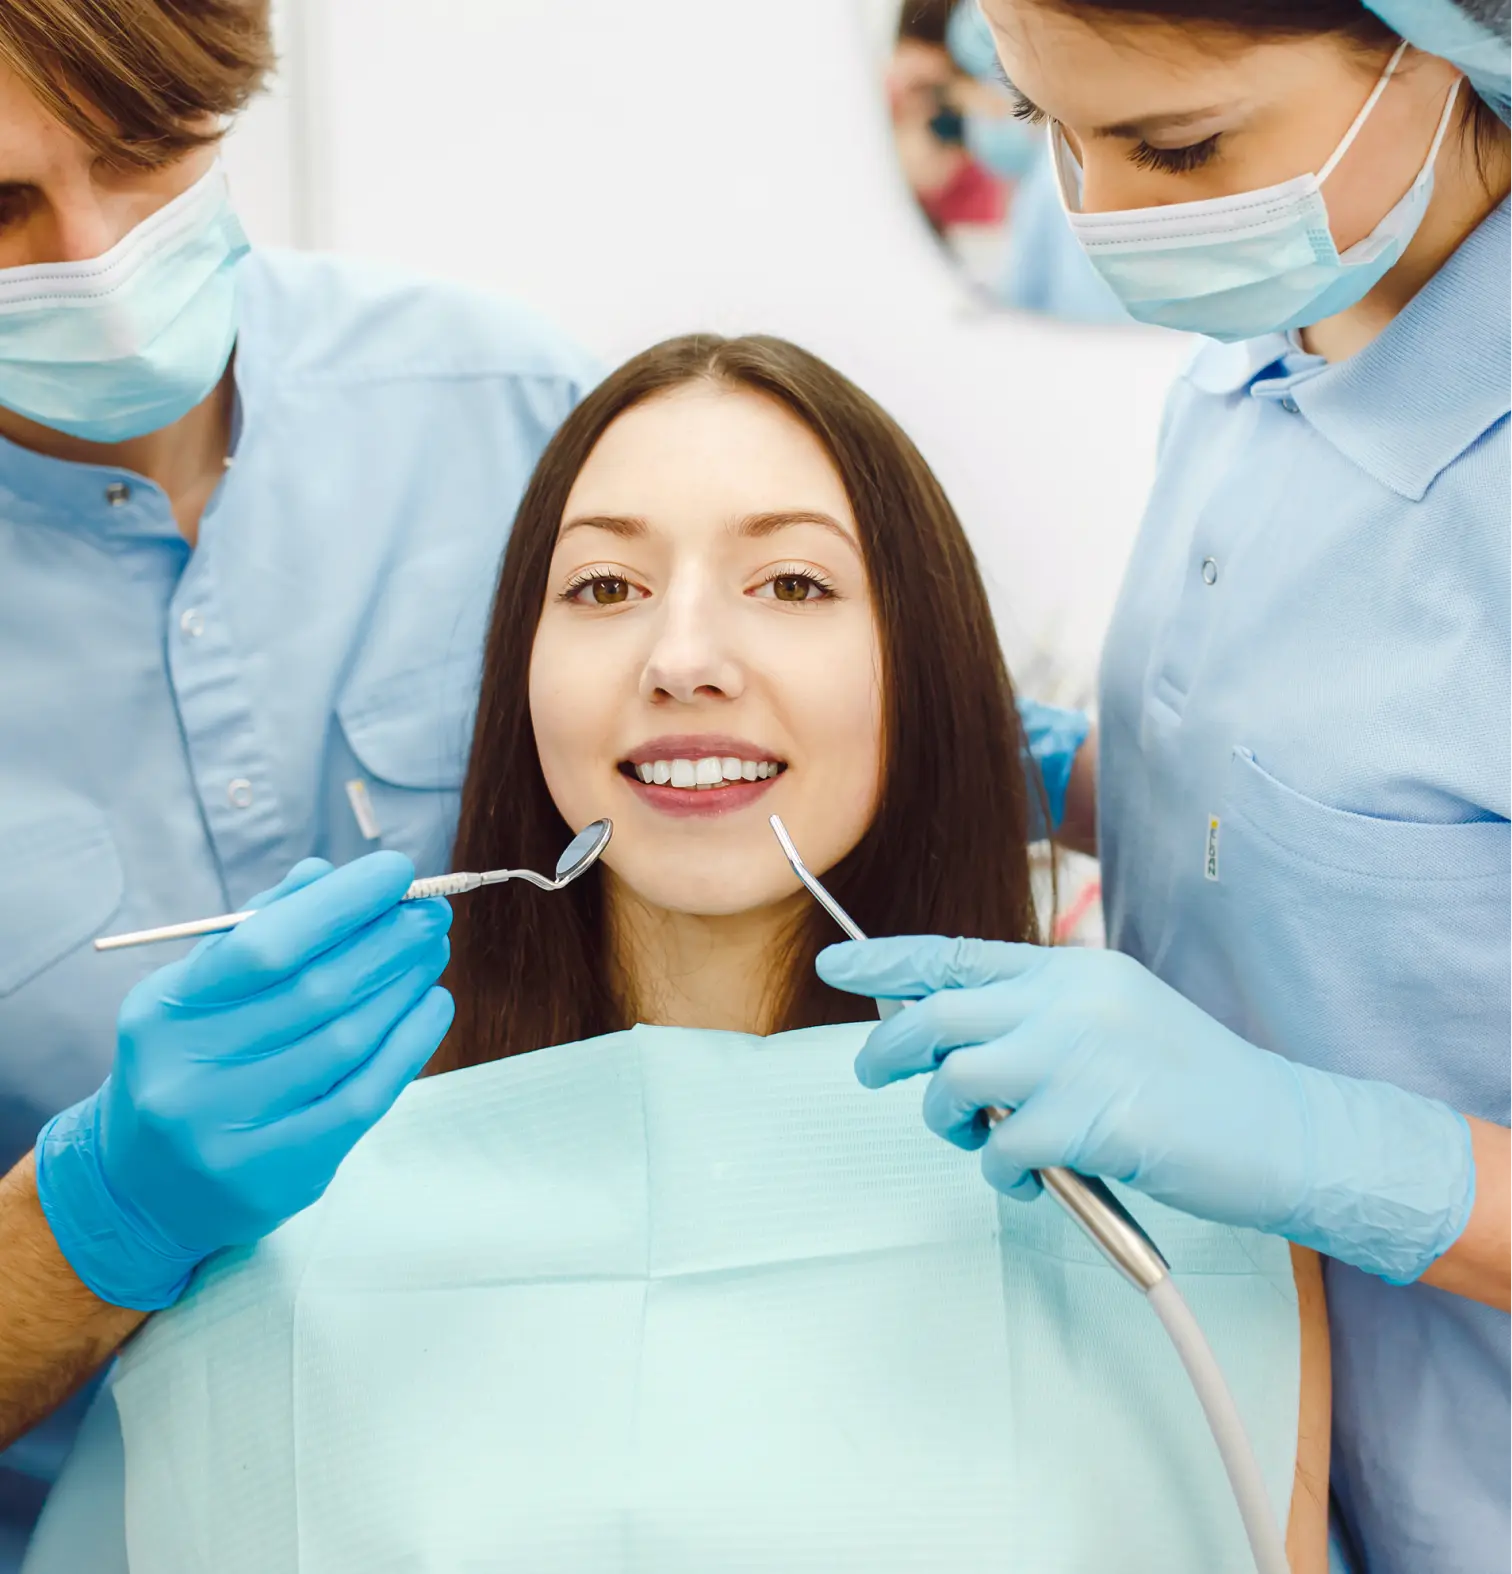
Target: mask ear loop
point(1365, 109)
point(1443, 125)
point(1061, 157)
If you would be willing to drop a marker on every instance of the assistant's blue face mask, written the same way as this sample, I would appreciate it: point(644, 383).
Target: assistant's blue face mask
point(1253, 263)
point(128, 342)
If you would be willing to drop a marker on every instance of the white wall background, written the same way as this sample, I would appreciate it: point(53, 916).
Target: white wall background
point(637, 170)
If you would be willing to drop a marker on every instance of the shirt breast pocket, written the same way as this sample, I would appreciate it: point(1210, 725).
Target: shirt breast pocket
point(1373, 947)
point(401, 785)
point(60, 878)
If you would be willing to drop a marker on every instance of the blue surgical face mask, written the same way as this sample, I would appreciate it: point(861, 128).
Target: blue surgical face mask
point(1253, 263)
point(128, 342)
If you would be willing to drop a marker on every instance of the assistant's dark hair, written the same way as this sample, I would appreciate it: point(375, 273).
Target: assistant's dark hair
point(946, 852)
point(1350, 20)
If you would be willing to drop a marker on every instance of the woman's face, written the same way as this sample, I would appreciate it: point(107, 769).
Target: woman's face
point(1160, 114)
point(708, 653)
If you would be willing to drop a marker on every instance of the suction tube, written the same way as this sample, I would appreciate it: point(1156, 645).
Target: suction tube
point(1122, 1240)
point(1260, 1523)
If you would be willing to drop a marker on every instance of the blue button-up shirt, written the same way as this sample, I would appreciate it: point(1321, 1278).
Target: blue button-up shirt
point(1304, 805)
point(177, 727)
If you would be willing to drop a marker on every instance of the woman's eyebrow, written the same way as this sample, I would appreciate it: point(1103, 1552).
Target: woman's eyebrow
point(767, 524)
point(626, 526)
point(1024, 108)
point(1154, 125)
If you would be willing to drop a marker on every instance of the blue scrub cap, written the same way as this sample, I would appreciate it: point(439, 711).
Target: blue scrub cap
point(969, 40)
point(1471, 34)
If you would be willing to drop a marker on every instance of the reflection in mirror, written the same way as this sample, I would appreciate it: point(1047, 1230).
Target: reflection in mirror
point(983, 177)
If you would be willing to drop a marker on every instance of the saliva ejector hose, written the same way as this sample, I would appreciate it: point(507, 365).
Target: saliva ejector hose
point(1120, 1237)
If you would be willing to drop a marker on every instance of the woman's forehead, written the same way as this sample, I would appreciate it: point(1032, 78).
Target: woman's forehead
point(704, 455)
point(1113, 71)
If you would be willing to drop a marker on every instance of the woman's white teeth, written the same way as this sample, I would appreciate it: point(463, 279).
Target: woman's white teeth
point(712, 771)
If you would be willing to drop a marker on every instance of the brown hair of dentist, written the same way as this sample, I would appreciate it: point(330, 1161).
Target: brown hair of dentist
point(946, 852)
point(141, 81)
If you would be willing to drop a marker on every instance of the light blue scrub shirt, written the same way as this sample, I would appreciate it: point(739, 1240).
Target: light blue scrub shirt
point(177, 728)
point(1304, 805)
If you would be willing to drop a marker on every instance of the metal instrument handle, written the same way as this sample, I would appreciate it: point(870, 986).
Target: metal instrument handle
point(436, 885)
point(1116, 1233)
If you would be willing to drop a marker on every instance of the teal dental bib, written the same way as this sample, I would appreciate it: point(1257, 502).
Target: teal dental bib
point(673, 1301)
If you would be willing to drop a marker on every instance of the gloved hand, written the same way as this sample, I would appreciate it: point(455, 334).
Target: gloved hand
point(1053, 736)
point(244, 1074)
point(1112, 1072)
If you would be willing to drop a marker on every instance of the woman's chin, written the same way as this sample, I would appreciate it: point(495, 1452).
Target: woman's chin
point(703, 887)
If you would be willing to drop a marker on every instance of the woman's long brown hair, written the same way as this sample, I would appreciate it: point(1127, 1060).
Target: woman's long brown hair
point(946, 852)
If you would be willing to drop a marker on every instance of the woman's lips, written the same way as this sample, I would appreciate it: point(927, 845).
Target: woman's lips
point(694, 802)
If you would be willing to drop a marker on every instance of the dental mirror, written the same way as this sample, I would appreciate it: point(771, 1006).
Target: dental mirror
point(581, 853)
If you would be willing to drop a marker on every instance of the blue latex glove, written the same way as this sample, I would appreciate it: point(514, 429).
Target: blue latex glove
point(244, 1073)
point(1053, 736)
point(1112, 1072)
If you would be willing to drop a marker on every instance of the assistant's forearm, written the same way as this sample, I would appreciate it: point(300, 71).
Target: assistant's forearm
point(1479, 1264)
point(1078, 829)
point(53, 1331)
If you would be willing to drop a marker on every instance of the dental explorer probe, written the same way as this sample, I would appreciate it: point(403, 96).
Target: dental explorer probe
point(580, 855)
point(1120, 1237)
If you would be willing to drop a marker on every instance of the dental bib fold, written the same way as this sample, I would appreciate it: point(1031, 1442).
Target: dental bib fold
point(675, 1301)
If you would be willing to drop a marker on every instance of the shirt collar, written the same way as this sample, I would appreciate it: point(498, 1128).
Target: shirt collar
point(1416, 397)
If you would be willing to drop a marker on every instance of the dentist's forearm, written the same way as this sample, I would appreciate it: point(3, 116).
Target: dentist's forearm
point(1078, 829)
point(53, 1331)
point(1479, 1264)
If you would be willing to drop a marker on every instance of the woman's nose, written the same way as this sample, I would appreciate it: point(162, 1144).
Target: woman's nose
point(692, 658)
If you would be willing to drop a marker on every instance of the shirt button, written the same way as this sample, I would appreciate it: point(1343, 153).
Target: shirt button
point(1209, 571)
point(1289, 405)
point(117, 493)
point(192, 623)
point(239, 791)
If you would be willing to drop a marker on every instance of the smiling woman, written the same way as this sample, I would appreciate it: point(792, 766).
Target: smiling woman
point(733, 574)
point(667, 1293)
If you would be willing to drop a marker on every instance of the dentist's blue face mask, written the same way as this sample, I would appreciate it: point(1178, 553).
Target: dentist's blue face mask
point(128, 342)
point(1253, 263)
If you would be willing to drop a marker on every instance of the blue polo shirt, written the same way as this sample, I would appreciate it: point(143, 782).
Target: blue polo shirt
point(178, 727)
point(1304, 805)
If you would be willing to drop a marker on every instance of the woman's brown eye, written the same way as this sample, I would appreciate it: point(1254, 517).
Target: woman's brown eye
point(610, 592)
point(792, 587)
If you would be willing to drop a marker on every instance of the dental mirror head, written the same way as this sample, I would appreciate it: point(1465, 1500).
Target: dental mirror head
point(579, 856)
point(583, 851)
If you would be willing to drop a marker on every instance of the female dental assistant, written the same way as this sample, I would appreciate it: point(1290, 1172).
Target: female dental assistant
point(1302, 787)
point(241, 607)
